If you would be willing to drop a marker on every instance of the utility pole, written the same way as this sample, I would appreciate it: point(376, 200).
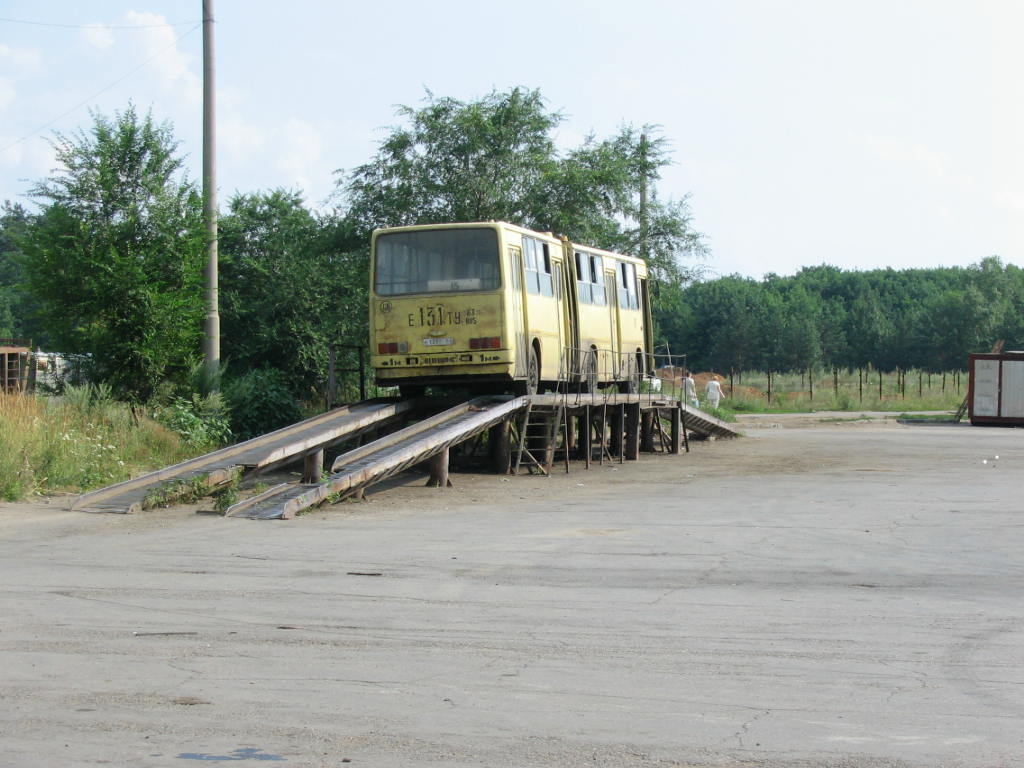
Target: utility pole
point(211, 347)
point(643, 196)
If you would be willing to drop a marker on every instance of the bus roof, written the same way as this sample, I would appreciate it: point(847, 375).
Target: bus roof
point(515, 227)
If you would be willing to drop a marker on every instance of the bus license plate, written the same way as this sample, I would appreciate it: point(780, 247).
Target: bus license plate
point(442, 341)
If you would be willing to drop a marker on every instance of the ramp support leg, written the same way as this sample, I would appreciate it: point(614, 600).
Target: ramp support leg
point(313, 467)
point(439, 471)
point(632, 430)
point(677, 429)
point(586, 436)
point(648, 419)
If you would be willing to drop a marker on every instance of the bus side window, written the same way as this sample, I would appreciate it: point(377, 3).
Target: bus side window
point(629, 298)
point(583, 285)
point(530, 254)
point(544, 271)
point(597, 268)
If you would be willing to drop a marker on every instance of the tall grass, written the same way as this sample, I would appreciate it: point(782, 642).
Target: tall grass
point(82, 440)
point(846, 391)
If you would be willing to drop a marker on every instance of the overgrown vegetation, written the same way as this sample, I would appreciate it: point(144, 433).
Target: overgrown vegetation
point(82, 440)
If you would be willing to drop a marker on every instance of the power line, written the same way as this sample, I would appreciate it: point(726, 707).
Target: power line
point(100, 92)
point(93, 26)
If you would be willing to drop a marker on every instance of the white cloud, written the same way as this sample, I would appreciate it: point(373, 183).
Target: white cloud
point(167, 61)
point(15, 64)
point(239, 138)
point(7, 92)
point(98, 36)
point(19, 61)
point(301, 160)
point(913, 156)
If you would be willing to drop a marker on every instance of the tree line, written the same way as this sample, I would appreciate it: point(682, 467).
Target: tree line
point(107, 263)
point(929, 319)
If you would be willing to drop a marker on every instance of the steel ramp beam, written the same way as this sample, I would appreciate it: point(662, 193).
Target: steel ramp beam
point(260, 453)
point(383, 458)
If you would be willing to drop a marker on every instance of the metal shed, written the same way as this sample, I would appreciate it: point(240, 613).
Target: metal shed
point(996, 388)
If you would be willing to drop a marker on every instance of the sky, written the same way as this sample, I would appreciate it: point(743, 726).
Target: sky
point(863, 134)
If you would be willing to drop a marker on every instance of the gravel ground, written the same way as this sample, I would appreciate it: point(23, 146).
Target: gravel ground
point(819, 592)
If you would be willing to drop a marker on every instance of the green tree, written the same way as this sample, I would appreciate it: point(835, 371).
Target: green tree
point(292, 283)
point(495, 158)
point(115, 256)
point(456, 161)
point(15, 303)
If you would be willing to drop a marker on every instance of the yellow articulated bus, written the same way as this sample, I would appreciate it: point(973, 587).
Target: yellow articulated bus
point(495, 307)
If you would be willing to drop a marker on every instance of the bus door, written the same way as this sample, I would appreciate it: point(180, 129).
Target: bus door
point(515, 298)
point(611, 296)
point(645, 306)
point(574, 357)
point(561, 319)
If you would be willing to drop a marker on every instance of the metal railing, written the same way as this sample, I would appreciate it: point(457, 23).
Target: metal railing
point(602, 374)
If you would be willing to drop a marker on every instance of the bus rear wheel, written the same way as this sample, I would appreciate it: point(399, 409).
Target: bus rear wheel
point(531, 384)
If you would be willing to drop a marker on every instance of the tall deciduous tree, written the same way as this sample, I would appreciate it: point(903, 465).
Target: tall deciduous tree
point(115, 256)
point(496, 158)
point(292, 283)
point(16, 305)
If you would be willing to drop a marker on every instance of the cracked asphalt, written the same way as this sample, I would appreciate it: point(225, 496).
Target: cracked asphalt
point(816, 593)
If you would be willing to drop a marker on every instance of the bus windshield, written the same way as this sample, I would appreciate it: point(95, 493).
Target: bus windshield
point(437, 261)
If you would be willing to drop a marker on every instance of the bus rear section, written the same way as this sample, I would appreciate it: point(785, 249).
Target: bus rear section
point(437, 307)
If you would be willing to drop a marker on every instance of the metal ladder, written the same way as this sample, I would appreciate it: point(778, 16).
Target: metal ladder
point(538, 434)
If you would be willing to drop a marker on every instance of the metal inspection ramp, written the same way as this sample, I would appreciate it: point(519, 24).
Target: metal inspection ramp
point(383, 458)
point(260, 453)
point(701, 423)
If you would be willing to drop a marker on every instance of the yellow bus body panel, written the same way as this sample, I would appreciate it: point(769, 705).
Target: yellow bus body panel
point(434, 330)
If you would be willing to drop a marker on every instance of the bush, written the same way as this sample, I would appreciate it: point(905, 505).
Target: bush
point(260, 401)
point(201, 421)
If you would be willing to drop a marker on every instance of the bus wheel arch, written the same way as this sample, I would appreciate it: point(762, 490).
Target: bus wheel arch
point(531, 384)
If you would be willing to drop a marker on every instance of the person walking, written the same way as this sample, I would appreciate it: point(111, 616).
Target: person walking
point(690, 390)
point(713, 391)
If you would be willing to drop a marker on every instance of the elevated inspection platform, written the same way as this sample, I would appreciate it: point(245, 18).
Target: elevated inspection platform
point(602, 414)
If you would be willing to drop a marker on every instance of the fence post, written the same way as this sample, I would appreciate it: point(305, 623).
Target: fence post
point(860, 384)
point(810, 382)
point(879, 384)
point(835, 382)
point(920, 377)
point(769, 387)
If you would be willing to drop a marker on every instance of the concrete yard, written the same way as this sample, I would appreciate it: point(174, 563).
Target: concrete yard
point(819, 592)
